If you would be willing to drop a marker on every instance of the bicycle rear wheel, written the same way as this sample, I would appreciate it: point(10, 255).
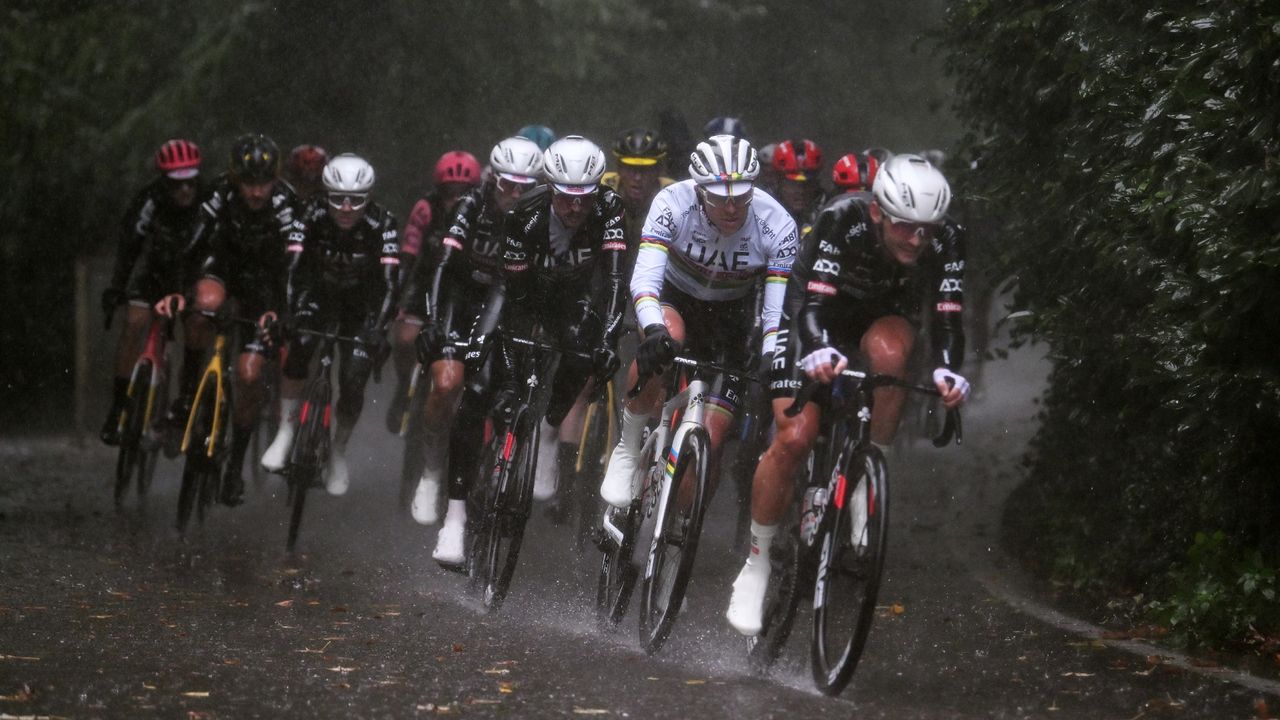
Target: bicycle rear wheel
point(852, 539)
point(508, 506)
point(675, 544)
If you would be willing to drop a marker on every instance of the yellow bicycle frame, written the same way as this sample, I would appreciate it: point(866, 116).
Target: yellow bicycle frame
point(611, 437)
point(215, 370)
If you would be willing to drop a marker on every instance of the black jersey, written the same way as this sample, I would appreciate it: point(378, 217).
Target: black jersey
point(842, 267)
point(361, 265)
point(251, 252)
point(157, 232)
point(469, 258)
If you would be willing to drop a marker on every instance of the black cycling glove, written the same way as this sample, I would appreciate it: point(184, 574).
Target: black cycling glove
point(656, 351)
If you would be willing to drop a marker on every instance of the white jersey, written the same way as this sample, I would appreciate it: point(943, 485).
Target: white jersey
point(679, 245)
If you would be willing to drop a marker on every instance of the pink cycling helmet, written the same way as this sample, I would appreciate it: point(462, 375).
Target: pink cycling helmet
point(457, 166)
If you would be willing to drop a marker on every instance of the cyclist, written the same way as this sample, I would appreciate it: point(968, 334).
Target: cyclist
point(465, 269)
point(156, 228)
point(640, 153)
point(725, 125)
point(540, 134)
point(706, 244)
point(859, 284)
point(799, 164)
point(246, 242)
point(769, 177)
point(562, 271)
point(303, 169)
point(455, 174)
point(855, 172)
point(348, 274)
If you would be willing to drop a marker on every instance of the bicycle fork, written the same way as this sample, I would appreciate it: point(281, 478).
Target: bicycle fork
point(695, 396)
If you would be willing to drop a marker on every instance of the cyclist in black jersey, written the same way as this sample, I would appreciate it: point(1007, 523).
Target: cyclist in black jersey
point(562, 273)
point(464, 268)
point(244, 246)
point(348, 274)
point(857, 283)
point(797, 165)
point(153, 238)
point(456, 173)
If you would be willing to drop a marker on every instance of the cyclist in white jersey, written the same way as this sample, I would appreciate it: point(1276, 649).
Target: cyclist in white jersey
point(705, 244)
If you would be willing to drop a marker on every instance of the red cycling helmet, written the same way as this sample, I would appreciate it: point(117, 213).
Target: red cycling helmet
point(855, 172)
point(457, 166)
point(797, 159)
point(306, 163)
point(178, 159)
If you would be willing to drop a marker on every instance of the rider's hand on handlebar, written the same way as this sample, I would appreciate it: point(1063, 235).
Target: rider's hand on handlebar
point(604, 362)
point(176, 301)
point(268, 323)
point(656, 351)
point(952, 386)
point(824, 364)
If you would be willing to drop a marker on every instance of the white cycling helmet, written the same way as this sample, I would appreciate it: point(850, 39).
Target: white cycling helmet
point(908, 188)
point(348, 173)
point(724, 165)
point(573, 165)
point(517, 159)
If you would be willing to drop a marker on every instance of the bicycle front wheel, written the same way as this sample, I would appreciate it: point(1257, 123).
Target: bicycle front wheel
point(852, 539)
point(131, 457)
point(507, 508)
point(199, 471)
point(675, 542)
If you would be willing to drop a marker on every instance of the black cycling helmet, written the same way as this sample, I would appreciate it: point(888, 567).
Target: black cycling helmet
point(639, 146)
point(254, 158)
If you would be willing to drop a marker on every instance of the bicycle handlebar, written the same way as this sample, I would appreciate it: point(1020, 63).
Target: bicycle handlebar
point(692, 364)
point(952, 427)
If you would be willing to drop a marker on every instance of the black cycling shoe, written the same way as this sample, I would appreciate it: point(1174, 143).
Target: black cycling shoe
point(232, 488)
point(110, 432)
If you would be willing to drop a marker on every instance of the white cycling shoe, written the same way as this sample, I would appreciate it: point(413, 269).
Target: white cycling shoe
point(746, 605)
point(337, 478)
point(547, 479)
point(616, 486)
point(450, 542)
point(426, 500)
point(278, 454)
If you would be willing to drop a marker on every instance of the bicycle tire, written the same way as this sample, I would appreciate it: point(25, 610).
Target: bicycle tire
point(197, 463)
point(792, 576)
point(619, 568)
point(671, 555)
point(131, 454)
point(593, 459)
point(848, 575)
point(512, 498)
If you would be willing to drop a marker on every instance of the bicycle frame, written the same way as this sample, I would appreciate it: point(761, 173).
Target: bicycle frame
point(153, 356)
point(215, 369)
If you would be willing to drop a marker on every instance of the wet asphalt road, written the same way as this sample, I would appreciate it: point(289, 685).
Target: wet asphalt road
point(109, 615)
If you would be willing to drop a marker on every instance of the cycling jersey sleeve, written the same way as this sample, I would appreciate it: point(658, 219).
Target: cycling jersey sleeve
point(133, 233)
point(295, 261)
point(651, 260)
point(451, 245)
point(819, 269)
point(415, 228)
point(390, 262)
point(948, 307)
point(614, 250)
point(781, 253)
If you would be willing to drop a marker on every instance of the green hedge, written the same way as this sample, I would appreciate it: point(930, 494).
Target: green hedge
point(1128, 154)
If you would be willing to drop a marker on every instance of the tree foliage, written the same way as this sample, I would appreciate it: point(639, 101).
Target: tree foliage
point(1129, 154)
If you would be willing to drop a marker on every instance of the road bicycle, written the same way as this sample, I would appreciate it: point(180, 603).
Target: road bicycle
point(137, 428)
point(310, 451)
point(504, 498)
point(206, 433)
point(672, 491)
point(834, 550)
point(577, 503)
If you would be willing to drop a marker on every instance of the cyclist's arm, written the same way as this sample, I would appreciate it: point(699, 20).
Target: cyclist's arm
point(781, 254)
point(390, 263)
point(415, 229)
point(948, 299)
point(297, 260)
point(651, 261)
point(614, 254)
point(451, 246)
point(817, 273)
point(133, 233)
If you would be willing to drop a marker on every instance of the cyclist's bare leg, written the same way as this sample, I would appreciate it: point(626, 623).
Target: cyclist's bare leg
point(136, 319)
point(441, 406)
point(250, 390)
point(772, 486)
point(403, 334)
point(887, 344)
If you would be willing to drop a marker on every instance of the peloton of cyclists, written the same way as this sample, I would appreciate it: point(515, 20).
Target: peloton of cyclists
point(153, 239)
point(347, 279)
point(857, 284)
point(247, 242)
point(464, 269)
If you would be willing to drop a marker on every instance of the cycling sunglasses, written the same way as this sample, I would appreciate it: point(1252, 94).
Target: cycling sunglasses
point(356, 200)
point(720, 201)
point(919, 229)
point(511, 187)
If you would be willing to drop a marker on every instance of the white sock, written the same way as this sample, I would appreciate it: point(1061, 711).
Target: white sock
point(456, 514)
point(633, 425)
point(761, 541)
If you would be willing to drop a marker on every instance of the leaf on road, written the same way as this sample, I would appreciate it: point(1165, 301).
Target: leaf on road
point(285, 603)
point(695, 682)
point(340, 669)
point(230, 661)
point(338, 608)
point(1077, 674)
point(119, 594)
point(506, 687)
point(18, 657)
point(23, 694)
point(196, 694)
point(457, 647)
point(101, 617)
point(897, 609)
point(589, 711)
